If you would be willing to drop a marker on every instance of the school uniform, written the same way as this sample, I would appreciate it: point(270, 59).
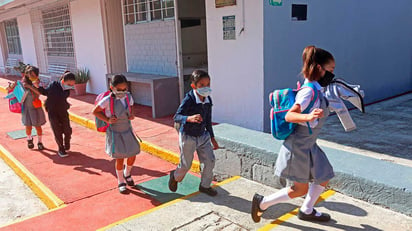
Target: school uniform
point(56, 107)
point(30, 115)
point(195, 137)
point(121, 142)
point(300, 159)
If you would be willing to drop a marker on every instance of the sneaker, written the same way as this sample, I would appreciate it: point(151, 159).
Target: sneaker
point(62, 153)
point(256, 211)
point(30, 144)
point(122, 188)
point(313, 217)
point(209, 191)
point(172, 182)
point(40, 146)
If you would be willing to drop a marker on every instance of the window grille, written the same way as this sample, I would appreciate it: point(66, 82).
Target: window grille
point(12, 37)
point(135, 11)
point(58, 31)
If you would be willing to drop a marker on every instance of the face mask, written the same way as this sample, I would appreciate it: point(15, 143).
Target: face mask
point(67, 87)
point(119, 94)
point(204, 91)
point(326, 79)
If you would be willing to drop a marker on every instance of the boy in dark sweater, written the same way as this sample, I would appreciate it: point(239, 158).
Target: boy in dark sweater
point(196, 133)
point(56, 106)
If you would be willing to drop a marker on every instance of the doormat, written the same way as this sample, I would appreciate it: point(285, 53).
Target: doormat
point(19, 134)
point(158, 188)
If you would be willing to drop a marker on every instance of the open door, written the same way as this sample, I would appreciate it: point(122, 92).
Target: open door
point(192, 18)
point(114, 36)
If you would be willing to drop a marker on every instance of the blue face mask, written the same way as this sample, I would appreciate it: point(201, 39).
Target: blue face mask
point(204, 91)
point(67, 87)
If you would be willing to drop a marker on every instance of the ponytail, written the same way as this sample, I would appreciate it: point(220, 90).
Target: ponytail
point(311, 57)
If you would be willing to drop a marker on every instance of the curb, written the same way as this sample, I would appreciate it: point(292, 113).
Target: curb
point(43, 192)
point(145, 146)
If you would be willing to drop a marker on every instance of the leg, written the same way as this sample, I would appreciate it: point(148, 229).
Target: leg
point(207, 158)
point(260, 203)
point(127, 170)
point(67, 130)
point(187, 145)
point(57, 130)
point(39, 131)
point(30, 144)
point(307, 212)
point(120, 177)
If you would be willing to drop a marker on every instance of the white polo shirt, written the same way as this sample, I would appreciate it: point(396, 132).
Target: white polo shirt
point(303, 98)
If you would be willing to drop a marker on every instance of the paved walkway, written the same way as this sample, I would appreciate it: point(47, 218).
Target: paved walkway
point(81, 190)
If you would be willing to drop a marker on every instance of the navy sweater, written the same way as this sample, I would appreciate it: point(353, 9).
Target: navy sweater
point(189, 107)
point(56, 97)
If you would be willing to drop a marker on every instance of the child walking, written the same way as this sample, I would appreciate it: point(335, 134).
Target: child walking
point(121, 142)
point(32, 111)
point(196, 133)
point(56, 106)
point(300, 159)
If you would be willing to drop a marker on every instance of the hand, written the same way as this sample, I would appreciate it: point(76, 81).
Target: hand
point(214, 143)
point(316, 114)
point(112, 120)
point(131, 117)
point(195, 119)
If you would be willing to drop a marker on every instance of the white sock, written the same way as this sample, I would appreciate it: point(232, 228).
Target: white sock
point(279, 196)
point(120, 178)
point(127, 170)
point(313, 194)
point(40, 138)
point(29, 137)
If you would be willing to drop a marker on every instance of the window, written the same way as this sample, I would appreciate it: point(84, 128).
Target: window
point(135, 11)
point(58, 32)
point(12, 37)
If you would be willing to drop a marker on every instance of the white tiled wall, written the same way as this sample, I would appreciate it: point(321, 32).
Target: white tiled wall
point(151, 48)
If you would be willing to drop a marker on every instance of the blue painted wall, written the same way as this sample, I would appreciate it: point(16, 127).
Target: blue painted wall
point(370, 40)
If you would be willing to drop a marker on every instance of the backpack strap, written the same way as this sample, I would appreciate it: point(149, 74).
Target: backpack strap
point(315, 97)
point(111, 105)
point(128, 104)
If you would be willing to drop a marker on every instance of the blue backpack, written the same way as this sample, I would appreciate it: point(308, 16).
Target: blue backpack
point(281, 101)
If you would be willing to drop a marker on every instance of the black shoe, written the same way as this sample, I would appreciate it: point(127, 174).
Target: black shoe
point(67, 146)
point(122, 188)
point(209, 191)
point(129, 180)
point(40, 146)
point(172, 182)
point(62, 153)
point(256, 211)
point(30, 144)
point(313, 217)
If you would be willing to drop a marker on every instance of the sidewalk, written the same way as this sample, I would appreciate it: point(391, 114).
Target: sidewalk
point(85, 183)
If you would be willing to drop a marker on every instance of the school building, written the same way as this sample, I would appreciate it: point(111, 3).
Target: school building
point(249, 47)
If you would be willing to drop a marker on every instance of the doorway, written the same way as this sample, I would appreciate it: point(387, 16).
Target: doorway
point(192, 17)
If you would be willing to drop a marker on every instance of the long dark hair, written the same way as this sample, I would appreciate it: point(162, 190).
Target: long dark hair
point(312, 56)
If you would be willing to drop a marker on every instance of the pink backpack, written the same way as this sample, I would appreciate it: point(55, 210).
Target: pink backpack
point(102, 126)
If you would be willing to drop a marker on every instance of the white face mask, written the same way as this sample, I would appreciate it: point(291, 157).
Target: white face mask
point(204, 91)
point(119, 94)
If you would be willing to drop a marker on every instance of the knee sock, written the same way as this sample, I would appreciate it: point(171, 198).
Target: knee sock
point(29, 137)
point(40, 138)
point(127, 170)
point(120, 178)
point(279, 196)
point(313, 194)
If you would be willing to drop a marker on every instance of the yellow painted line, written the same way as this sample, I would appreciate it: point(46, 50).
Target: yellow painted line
point(43, 192)
point(165, 205)
point(145, 146)
point(294, 212)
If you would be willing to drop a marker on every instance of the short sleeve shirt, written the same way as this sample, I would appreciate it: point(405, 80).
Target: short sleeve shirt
point(104, 104)
point(303, 98)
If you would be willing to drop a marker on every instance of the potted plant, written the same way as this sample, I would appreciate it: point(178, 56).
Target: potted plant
point(82, 76)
